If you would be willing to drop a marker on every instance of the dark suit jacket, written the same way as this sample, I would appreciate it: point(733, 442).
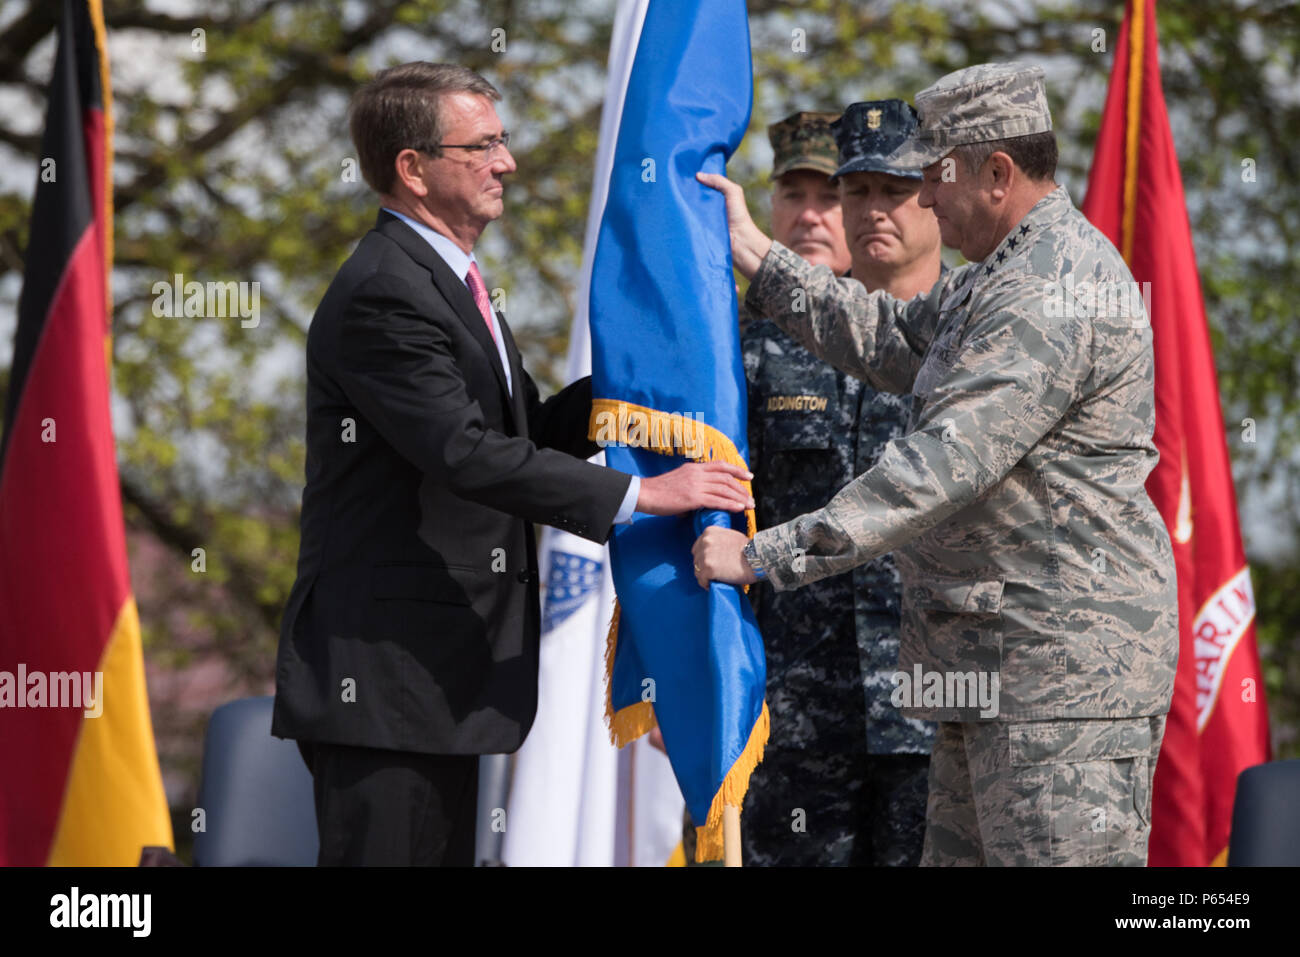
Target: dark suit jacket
point(413, 624)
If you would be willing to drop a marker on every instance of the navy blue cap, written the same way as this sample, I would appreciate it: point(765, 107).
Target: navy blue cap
point(868, 132)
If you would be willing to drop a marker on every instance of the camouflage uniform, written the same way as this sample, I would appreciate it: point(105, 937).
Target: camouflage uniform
point(843, 776)
point(831, 647)
point(1015, 508)
point(1094, 775)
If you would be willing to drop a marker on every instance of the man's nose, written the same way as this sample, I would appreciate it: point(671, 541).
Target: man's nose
point(877, 208)
point(810, 214)
point(504, 162)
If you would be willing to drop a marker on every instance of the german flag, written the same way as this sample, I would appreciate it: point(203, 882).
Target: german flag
point(79, 777)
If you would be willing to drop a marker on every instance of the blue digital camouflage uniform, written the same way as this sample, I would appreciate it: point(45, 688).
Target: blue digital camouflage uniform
point(843, 778)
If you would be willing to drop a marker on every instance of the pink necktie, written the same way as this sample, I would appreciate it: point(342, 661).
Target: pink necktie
point(474, 279)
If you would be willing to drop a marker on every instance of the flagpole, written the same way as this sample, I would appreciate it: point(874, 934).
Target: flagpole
point(730, 835)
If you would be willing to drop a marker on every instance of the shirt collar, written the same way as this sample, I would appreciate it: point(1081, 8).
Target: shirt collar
point(456, 258)
point(1044, 212)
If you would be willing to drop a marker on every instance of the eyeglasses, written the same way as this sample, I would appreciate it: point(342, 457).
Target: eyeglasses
point(488, 149)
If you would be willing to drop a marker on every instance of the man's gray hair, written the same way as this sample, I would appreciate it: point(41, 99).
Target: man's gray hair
point(1035, 154)
point(400, 108)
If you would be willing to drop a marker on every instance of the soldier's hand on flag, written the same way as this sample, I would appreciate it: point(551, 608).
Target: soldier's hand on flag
point(749, 244)
point(714, 484)
point(718, 557)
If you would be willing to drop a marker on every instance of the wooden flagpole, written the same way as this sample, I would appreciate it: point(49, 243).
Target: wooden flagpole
point(730, 835)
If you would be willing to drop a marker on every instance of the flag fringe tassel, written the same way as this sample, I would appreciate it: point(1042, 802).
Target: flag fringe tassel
point(629, 723)
point(708, 839)
point(634, 720)
point(101, 46)
point(1136, 47)
point(615, 422)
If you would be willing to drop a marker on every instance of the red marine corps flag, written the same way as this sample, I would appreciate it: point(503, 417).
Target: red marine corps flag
point(1218, 724)
point(79, 778)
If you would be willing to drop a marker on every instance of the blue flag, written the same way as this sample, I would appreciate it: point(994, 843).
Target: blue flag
point(669, 387)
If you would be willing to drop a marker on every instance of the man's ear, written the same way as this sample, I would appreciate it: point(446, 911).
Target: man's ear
point(1001, 172)
point(407, 166)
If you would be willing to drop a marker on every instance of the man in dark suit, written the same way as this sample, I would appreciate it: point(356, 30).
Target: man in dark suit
point(410, 641)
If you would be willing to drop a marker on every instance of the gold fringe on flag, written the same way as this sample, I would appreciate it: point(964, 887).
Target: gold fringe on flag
point(633, 720)
point(708, 839)
point(614, 422)
point(101, 47)
point(1136, 49)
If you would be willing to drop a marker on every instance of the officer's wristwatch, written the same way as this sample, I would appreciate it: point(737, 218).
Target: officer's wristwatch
point(751, 556)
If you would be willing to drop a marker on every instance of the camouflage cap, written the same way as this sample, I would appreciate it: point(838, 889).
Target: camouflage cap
point(803, 141)
point(991, 101)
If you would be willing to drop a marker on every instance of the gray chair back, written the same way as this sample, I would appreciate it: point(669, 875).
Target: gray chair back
point(1266, 817)
point(256, 793)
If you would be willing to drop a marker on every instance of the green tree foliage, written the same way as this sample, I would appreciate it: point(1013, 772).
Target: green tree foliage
point(233, 163)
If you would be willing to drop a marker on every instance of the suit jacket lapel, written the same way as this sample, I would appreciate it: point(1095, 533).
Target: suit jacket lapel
point(451, 287)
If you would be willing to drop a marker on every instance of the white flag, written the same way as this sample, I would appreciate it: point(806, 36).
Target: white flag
point(574, 798)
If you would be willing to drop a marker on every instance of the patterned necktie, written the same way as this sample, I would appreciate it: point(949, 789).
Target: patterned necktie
point(477, 288)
